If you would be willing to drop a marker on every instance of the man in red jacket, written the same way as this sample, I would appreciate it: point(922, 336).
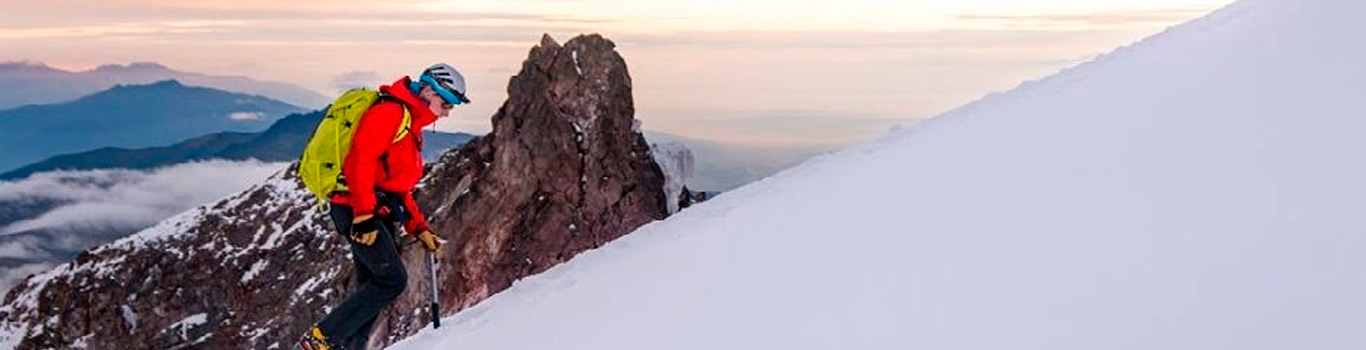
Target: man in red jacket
point(380, 174)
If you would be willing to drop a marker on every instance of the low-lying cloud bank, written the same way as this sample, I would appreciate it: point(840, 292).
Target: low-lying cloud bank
point(50, 217)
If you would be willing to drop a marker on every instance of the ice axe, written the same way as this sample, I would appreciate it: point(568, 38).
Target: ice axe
point(436, 300)
point(431, 277)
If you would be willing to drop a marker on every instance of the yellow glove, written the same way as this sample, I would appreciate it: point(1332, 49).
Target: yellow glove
point(430, 241)
point(367, 238)
point(365, 230)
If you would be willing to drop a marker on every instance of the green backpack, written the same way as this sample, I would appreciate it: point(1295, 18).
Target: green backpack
point(321, 164)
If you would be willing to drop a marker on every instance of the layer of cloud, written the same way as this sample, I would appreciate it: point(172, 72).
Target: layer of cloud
point(301, 27)
point(783, 128)
point(246, 116)
point(9, 277)
point(356, 79)
point(1089, 20)
point(124, 198)
point(722, 166)
point(18, 250)
point(98, 206)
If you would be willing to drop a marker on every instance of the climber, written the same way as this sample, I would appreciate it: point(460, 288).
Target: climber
point(373, 197)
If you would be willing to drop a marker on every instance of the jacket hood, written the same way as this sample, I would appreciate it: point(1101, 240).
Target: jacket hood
point(422, 116)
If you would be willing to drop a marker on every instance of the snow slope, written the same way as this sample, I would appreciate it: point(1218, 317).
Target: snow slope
point(1202, 189)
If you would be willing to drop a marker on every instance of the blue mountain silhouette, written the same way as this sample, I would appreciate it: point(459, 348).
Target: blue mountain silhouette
point(131, 116)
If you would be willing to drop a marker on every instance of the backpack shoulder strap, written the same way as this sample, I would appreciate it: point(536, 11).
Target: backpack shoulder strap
point(404, 127)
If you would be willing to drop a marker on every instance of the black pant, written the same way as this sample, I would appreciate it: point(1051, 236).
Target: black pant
point(380, 276)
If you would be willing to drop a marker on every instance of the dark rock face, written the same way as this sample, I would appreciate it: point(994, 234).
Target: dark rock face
point(563, 171)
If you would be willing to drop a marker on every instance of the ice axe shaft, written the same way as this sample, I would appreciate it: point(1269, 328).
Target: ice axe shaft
point(436, 300)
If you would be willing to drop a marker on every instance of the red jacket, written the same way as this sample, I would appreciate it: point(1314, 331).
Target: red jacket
point(375, 161)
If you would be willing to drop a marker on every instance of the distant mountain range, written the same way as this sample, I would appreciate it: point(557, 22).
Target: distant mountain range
point(32, 83)
point(131, 116)
point(282, 142)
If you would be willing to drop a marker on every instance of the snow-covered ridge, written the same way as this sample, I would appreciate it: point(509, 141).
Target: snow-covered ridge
point(1197, 190)
point(1151, 45)
point(249, 237)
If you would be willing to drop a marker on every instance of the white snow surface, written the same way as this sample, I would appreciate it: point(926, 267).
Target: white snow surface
point(577, 68)
point(130, 317)
point(1202, 189)
point(191, 321)
point(185, 325)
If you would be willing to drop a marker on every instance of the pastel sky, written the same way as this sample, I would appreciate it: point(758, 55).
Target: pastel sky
point(762, 72)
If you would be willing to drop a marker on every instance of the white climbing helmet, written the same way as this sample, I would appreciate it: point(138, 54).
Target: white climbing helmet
point(447, 82)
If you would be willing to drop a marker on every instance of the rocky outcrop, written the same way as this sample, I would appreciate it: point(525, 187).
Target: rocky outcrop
point(563, 171)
